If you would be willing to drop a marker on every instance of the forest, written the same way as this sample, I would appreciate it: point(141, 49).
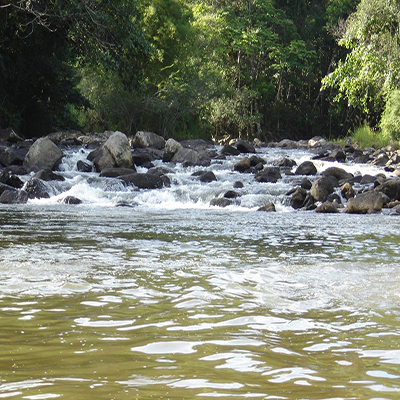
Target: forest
point(201, 68)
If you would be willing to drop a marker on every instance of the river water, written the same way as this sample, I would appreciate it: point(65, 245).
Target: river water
point(169, 298)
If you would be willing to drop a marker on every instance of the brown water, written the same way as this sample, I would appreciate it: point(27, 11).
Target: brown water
point(115, 303)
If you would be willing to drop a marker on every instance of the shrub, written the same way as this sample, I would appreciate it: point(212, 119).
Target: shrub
point(390, 121)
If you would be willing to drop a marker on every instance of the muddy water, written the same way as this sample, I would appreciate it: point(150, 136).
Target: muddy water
point(125, 303)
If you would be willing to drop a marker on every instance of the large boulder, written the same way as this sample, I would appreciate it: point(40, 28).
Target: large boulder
point(12, 156)
point(245, 147)
point(36, 189)
point(9, 135)
point(43, 154)
point(143, 181)
point(48, 175)
point(327, 208)
point(390, 188)
point(229, 150)
point(148, 139)
point(298, 198)
point(306, 168)
point(367, 202)
point(170, 149)
point(115, 152)
point(321, 189)
point(14, 197)
point(269, 174)
point(188, 157)
point(339, 173)
point(116, 172)
point(243, 165)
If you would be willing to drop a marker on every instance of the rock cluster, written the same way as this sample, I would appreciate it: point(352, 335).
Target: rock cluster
point(115, 156)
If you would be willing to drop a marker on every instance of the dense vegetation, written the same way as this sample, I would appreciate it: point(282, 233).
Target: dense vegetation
point(238, 68)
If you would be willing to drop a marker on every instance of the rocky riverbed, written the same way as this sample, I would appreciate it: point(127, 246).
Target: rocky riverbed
point(32, 169)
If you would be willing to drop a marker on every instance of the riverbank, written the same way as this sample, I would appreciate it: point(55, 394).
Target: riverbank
point(313, 175)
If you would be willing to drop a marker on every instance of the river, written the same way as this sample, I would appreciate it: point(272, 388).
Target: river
point(170, 298)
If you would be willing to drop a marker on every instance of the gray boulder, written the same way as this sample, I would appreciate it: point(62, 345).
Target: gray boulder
point(298, 198)
point(14, 197)
point(115, 152)
point(191, 157)
point(36, 189)
point(390, 188)
point(321, 189)
point(148, 139)
point(170, 149)
point(48, 175)
point(243, 165)
point(367, 202)
point(116, 172)
point(339, 173)
point(143, 181)
point(306, 168)
point(71, 200)
point(229, 150)
point(268, 207)
point(245, 147)
point(12, 156)
point(327, 208)
point(269, 174)
point(221, 202)
point(43, 154)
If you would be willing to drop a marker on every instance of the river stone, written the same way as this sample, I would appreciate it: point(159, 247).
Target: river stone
point(287, 144)
point(9, 135)
point(143, 181)
point(191, 157)
point(390, 188)
point(347, 191)
point(245, 147)
point(221, 202)
point(43, 154)
point(116, 172)
point(268, 207)
point(207, 177)
point(170, 149)
point(10, 179)
point(48, 175)
point(118, 146)
point(243, 165)
point(327, 208)
point(306, 184)
point(83, 166)
point(339, 173)
point(269, 174)
point(229, 150)
point(14, 197)
point(71, 200)
point(321, 189)
point(298, 198)
point(306, 168)
point(317, 141)
point(367, 202)
point(231, 194)
point(36, 189)
point(148, 139)
point(238, 185)
point(284, 162)
point(12, 156)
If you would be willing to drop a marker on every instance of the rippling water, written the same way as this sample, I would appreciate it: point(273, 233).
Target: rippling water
point(119, 303)
point(173, 299)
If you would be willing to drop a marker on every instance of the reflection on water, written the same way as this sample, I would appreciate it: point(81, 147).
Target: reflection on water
point(119, 303)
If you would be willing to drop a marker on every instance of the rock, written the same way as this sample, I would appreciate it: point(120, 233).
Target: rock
point(116, 172)
point(321, 189)
point(380, 160)
point(231, 194)
point(10, 179)
point(143, 157)
point(4, 187)
point(339, 173)
point(284, 162)
point(327, 207)
point(298, 198)
point(288, 144)
point(367, 202)
point(36, 189)
point(256, 160)
point(9, 135)
point(190, 157)
point(366, 179)
point(390, 188)
point(269, 174)
point(48, 175)
point(317, 141)
point(245, 147)
point(347, 191)
point(268, 207)
point(207, 177)
point(12, 156)
point(43, 154)
point(71, 200)
point(83, 166)
point(143, 181)
point(243, 165)
point(170, 149)
point(148, 139)
point(119, 148)
point(238, 185)
point(221, 202)
point(14, 197)
point(306, 168)
point(229, 150)
point(306, 184)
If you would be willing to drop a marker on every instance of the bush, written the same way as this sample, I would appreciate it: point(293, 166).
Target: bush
point(368, 137)
point(390, 121)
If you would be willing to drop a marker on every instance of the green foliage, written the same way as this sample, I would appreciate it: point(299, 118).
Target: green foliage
point(390, 122)
point(368, 137)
